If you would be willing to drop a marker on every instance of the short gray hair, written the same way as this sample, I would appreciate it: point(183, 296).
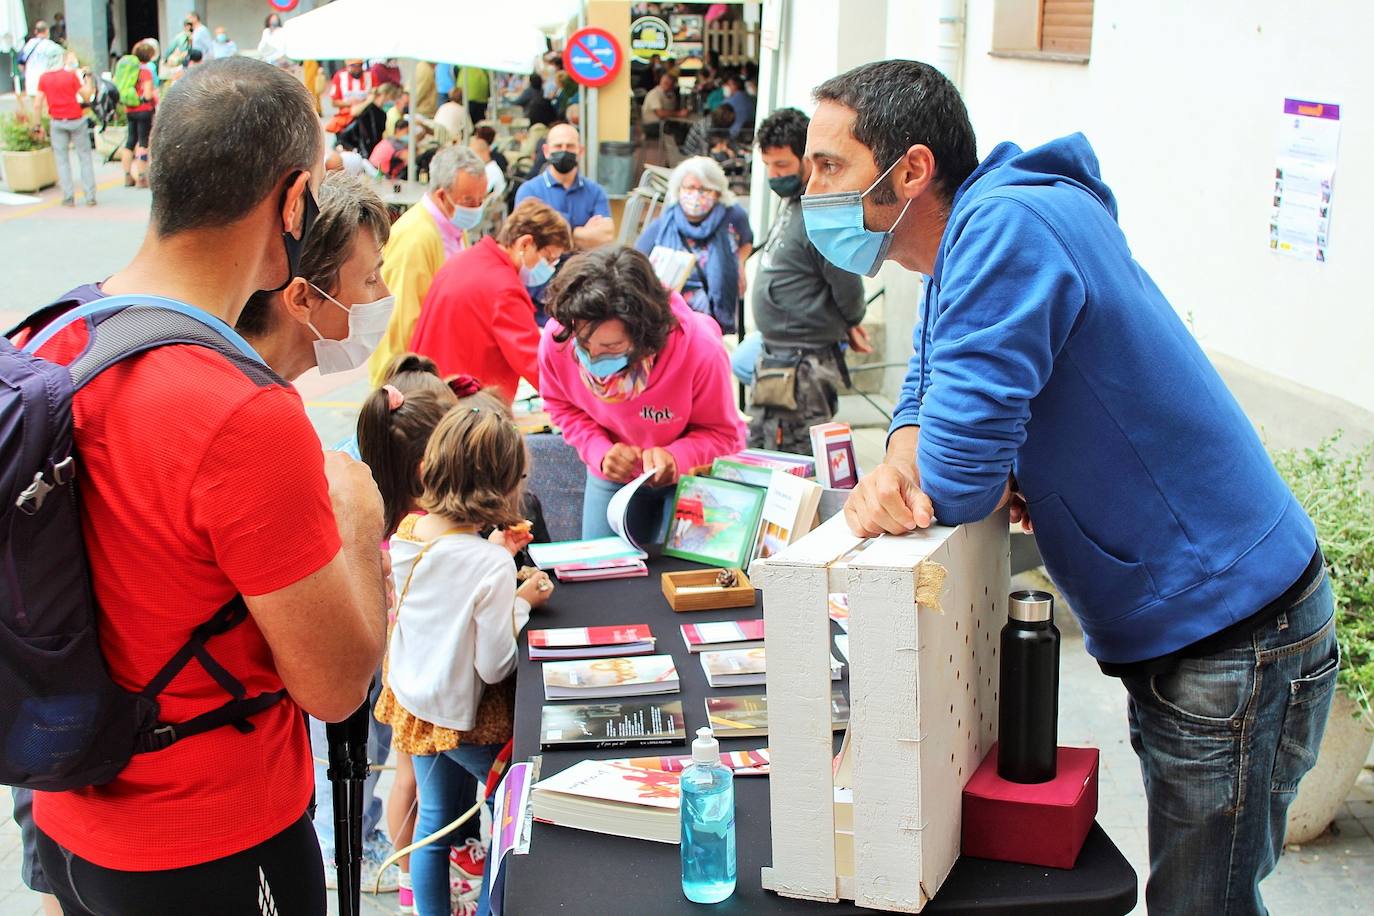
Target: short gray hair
point(703, 169)
point(449, 161)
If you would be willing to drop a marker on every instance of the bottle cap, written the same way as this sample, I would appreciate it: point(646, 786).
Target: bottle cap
point(1030, 606)
point(706, 749)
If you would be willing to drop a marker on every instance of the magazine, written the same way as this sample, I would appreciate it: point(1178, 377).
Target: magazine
point(616, 724)
point(590, 642)
point(611, 796)
point(593, 679)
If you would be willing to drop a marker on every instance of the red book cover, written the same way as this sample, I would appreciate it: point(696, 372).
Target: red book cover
point(725, 631)
point(566, 637)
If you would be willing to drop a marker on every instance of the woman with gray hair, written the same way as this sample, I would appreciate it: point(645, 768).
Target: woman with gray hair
point(702, 218)
point(335, 310)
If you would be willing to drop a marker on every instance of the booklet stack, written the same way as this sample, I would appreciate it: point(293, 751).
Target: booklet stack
point(833, 447)
point(743, 667)
point(725, 634)
point(746, 715)
point(617, 724)
point(590, 642)
point(594, 679)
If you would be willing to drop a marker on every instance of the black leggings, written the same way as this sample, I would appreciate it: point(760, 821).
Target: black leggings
point(140, 129)
point(283, 876)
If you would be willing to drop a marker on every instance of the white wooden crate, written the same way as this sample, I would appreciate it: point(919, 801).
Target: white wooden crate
point(923, 704)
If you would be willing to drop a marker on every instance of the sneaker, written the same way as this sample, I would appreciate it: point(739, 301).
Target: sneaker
point(69, 201)
point(405, 896)
point(128, 180)
point(470, 858)
point(90, 201)
point(142, 183)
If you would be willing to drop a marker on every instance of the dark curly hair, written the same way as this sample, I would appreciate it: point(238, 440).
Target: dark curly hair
point(785, 127)
point(612, 282)
point(900, 103)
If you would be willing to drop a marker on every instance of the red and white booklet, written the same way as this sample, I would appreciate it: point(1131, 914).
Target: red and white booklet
point(590, 642)
point(725, 634)
point(623, 568)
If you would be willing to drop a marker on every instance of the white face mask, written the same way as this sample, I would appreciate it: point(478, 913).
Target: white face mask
point(366, 324)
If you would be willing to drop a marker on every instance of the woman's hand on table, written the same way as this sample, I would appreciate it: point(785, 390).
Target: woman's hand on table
point(662, 459)
point(536, 589)
point(621, 463)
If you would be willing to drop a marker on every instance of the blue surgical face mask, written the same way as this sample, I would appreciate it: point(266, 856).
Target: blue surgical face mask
point(835, 225)
point(603, 367)
point(538, 275)
point(466, 218)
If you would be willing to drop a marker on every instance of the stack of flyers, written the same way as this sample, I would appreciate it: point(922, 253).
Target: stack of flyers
point(620, 568)
point(591, 642)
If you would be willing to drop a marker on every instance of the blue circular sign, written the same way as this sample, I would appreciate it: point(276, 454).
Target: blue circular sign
point(592, 57)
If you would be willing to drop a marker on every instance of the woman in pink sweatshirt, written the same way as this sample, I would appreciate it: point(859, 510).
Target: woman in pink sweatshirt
point(633, 377)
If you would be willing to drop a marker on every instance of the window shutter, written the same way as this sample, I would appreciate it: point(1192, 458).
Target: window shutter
point(1066, 26)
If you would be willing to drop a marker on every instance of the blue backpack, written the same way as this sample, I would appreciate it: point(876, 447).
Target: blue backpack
point(65, 723)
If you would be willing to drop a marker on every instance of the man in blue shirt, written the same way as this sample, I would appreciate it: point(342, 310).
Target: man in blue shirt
point(1052, 374)
point(582, 201)
point(445, 78)
point(744, 104)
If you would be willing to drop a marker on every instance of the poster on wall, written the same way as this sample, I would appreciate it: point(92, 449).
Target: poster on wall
point(1300, 218)
point(650, 36)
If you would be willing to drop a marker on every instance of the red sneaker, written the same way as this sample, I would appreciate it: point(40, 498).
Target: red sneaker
point(470, 858)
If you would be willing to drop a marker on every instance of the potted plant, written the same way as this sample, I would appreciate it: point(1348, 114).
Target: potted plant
point(1332, 486)
point(25, 155)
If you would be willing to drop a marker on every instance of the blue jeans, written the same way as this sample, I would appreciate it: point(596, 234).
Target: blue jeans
point(444, 784)
point(378, 749)
point(1223, 741)
point(745, 355)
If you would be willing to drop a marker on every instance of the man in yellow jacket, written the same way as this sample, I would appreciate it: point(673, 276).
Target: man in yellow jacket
point(427, 235)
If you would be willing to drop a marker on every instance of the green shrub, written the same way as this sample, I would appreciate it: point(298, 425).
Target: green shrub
point(16, 136)
point(1333, 487)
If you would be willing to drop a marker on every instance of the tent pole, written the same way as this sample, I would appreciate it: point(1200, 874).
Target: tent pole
point(413, 110)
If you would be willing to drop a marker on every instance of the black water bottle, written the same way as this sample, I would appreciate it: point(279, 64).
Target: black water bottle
point(1028, 718)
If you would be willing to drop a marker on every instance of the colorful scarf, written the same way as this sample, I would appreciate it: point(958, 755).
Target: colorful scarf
point(625, 384)
point(713, 287)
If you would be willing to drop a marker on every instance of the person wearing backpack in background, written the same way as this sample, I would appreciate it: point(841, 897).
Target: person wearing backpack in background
point(137, 85)
point(185, 456)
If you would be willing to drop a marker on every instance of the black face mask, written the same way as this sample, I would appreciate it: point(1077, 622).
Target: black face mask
point(563, 161)
point(786, 186)
point(294, 245)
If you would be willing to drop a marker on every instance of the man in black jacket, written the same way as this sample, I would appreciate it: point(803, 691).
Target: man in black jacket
point(804, 307)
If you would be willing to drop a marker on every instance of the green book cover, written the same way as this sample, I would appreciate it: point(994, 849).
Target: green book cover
point(714, 521)
point(740, 472)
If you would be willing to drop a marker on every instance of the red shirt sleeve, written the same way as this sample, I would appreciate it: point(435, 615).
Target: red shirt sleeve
point(517, 335)
point(260, 496)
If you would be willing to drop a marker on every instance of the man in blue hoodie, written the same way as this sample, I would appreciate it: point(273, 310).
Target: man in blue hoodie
point(1051, 374)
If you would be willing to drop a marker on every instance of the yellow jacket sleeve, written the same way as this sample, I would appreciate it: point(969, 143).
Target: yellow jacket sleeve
point(409, 262)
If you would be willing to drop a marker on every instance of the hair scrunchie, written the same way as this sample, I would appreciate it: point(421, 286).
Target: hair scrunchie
point(464, 386)
point(394, 397)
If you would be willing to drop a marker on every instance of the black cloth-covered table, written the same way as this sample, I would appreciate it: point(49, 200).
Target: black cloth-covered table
point(579, 873)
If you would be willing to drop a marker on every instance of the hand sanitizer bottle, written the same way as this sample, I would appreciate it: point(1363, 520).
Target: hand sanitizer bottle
point(708, 823)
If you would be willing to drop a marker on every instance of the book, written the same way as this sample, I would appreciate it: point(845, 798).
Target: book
point(590, 642)
point(613, 797)
point(593, 679)
point(724, 634)
point(730, 468)
point(617, 724)
point(744, 667)
point(587, 553)
point(671, 266)
point(832, 444)
point(714, 521)
point(624, 568)
point(635, 512)
point(792, 463)
point(743, 763)
point(746, 715)
point(789, 511)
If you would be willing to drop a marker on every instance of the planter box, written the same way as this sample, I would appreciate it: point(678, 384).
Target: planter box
point(923, 706)
point(32, 170)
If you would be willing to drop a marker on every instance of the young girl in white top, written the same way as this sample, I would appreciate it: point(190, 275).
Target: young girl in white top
point(458, 615)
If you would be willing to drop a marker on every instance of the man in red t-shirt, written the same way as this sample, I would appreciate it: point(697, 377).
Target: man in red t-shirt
point(200, 484)
point(351, 90)
point(61, 95)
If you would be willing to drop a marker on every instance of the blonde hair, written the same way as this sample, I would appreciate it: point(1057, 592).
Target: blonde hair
point(474, 465)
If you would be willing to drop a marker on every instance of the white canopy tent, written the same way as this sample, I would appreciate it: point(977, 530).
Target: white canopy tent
point(470, 33)
point(14, 29)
